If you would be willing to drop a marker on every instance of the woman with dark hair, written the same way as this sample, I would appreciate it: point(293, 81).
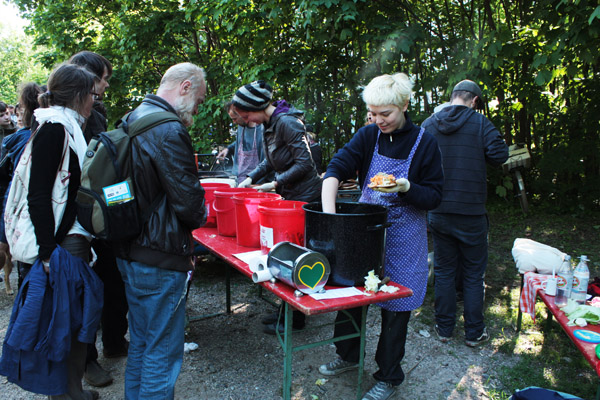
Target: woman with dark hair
point(285, 141)
point(12, 147)
point(59, 286)
point(97, 64)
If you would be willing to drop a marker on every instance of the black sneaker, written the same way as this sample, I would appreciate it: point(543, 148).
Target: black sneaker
point(443, 339)
point(337, 367)
point(381, 391)
point(97, 376)
point(480, 340)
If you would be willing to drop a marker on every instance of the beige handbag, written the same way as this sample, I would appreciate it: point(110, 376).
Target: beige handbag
point(19, 229)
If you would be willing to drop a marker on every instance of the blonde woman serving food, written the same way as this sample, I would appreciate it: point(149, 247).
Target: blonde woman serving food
point(392, 145)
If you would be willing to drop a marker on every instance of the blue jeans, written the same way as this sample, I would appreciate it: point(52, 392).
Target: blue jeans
point(460, 246)
point(156, 299)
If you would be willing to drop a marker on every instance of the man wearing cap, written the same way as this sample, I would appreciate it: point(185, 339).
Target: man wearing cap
point(459, 225)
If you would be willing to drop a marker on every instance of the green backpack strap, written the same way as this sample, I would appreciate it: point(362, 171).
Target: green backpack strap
point(147, 122)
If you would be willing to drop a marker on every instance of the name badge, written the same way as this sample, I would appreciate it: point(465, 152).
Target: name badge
point(117, 193)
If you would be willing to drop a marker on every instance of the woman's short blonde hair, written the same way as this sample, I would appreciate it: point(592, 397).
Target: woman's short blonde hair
point(388, 89)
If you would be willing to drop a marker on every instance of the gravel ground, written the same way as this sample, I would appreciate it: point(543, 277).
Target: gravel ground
point(236, 361)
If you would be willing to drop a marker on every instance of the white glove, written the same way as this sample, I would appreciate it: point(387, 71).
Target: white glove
point(267, 187)
point(402, 185)
point(245, 183)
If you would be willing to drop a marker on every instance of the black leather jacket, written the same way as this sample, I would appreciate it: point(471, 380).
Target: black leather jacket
point(287, 152)
point(163, 164)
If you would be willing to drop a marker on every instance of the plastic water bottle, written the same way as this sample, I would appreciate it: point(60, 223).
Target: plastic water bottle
point(581, 276)
point(565, 281)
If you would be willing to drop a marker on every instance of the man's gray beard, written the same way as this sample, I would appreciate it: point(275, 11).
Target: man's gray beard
point(184, 108)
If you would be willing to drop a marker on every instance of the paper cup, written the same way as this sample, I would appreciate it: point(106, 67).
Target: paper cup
point(551, 286)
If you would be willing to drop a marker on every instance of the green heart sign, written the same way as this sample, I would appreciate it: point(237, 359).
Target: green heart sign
point(310, 276)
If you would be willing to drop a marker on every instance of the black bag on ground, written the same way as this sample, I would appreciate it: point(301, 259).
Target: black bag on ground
point(106, 203)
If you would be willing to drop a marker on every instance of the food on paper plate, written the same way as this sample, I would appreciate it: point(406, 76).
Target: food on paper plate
point(383, 180)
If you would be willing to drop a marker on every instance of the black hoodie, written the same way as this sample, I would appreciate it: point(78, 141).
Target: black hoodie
point(467, 141)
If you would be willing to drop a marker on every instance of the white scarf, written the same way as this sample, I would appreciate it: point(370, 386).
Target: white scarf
point(72, 122)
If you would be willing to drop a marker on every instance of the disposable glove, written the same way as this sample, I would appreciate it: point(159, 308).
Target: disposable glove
point(223, 153)
point(267, 187)
point(245, 183)
point(402, 186)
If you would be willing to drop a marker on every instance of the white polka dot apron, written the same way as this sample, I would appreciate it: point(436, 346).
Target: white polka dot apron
point(406, 238)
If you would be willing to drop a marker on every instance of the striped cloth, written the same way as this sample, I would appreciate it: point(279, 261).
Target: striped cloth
point(531, 283)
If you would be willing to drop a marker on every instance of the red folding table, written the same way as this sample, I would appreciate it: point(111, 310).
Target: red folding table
point(225, 248)
point(587, 349)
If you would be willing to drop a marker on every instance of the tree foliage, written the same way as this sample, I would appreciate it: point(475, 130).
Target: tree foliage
point(537, 62)
point(18, 62)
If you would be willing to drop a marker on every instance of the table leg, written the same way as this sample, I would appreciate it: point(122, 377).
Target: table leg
point(548, 320)
point(520, 313)
point(287, 350)
point(228, 288)
point(361, 359)
point(227, 300)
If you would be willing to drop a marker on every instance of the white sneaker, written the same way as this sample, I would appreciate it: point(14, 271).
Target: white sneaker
point(480, 340)
point(381, 391)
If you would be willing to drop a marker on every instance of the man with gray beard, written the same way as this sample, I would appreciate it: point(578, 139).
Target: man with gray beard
point(155, 265)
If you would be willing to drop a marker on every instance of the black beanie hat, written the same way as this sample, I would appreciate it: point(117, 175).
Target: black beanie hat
point(255, 96)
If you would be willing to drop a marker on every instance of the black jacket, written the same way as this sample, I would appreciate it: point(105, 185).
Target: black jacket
point(287, 153)
point(46, 159)
point(164, 167)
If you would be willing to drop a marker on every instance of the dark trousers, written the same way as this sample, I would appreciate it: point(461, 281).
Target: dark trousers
point(114, 312)
point(460, 248)
point(390, 348)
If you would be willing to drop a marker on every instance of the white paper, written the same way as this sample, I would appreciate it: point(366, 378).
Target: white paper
point(247, 257)
point(337, 293)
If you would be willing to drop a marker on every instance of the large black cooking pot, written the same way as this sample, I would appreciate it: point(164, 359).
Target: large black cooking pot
point(352, 239)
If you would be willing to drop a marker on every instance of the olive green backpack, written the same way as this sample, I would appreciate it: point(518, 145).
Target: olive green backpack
point(106, 203)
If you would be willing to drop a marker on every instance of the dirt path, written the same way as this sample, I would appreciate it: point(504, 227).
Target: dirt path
point(236, 361)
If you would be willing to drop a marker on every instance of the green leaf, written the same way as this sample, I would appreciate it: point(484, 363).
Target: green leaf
point(595, 14)
point(345, 34)
point(501, 191)
point(543, 77)
point(538, 60)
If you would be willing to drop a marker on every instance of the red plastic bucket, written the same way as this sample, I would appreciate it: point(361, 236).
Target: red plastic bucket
point(209, 198)
point(225, 209)
point(281, 221)
point(246, 216)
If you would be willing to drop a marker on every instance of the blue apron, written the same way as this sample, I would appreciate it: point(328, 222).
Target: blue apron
point(406, 239)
